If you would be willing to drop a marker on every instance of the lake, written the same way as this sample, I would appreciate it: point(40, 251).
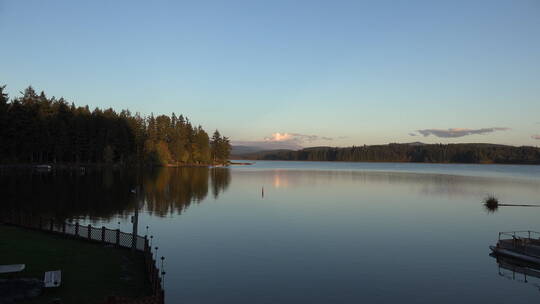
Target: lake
point(308, 232)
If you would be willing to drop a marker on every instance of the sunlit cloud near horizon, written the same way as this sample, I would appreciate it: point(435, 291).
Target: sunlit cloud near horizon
point(285, 140)
point(296, 137)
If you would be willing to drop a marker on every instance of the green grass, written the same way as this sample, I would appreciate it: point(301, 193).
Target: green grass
point(90, 271)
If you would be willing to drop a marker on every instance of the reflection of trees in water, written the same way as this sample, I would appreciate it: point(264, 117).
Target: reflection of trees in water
point(221, 178)
point(108, 193)
point(64, 194)
point(174, 189)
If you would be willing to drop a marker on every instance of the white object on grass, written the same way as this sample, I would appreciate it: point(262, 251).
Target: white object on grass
point(12, 268)
point(52, 278)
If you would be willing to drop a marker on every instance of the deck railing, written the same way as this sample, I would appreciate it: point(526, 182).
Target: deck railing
point(530, 234)
point(102, 235)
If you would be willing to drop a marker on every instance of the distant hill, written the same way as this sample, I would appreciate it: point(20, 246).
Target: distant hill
point(260, 155)
point(408, 152)
point(241, 150)
point(416, 143)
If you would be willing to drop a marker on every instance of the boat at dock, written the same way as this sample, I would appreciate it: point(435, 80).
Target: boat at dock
point(520, 245)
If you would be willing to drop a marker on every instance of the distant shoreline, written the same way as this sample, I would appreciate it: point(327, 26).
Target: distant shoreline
point(414, 153)
point(241, 163)
point(83, 166)
point(396, 162)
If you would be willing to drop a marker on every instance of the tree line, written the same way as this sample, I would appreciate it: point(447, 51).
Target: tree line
point(426, 153)
point(37, 129)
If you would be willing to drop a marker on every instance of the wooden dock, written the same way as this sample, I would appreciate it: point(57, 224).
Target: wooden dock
point(521, 245)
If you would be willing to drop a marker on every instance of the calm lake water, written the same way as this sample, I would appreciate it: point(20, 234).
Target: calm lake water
point(319, 232)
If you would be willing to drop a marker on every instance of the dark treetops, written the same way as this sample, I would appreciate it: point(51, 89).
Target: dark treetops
point(38, 129)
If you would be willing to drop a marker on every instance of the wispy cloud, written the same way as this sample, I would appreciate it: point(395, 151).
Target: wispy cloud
point(295, 137)
point(458, 132)
point(412, 134)
point(536, 136)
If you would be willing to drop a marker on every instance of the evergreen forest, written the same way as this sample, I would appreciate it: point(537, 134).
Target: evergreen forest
point(37, 129)
point(416, 152)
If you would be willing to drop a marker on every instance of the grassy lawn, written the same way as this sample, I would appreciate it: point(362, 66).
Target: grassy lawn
point(90, 271)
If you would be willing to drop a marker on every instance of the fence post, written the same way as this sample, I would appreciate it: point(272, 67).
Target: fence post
point(103, 234)
point(40, 222)
point(145, 243)
point(153, 277)
point(152, 273)
point(89, 232)
point(157, 281)
point(117, 237)
point(63, 227)
point(52, 225)
point(77, 229)
point(161, 286)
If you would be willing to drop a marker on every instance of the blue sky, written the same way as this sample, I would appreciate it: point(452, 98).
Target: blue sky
point(318, 72)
